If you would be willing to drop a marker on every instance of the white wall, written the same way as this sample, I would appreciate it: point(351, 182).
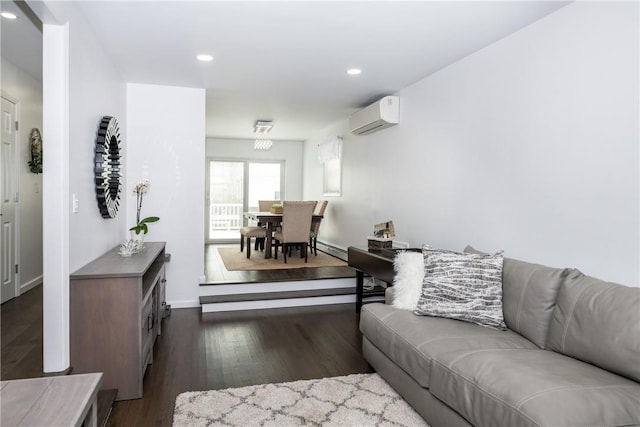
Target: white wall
point(28, 91)
point(80, 85)
point(337, 215)
point(96, 90)
point(167, 146)
point(529, 145)
point(289, 151)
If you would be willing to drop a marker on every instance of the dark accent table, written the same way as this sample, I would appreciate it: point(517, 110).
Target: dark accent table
point(378, 264)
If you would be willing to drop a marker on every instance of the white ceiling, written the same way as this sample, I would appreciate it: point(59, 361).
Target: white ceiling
point(21, 39)
point(287, 61)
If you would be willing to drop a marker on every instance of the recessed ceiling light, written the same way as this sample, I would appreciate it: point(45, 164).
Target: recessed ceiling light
point(354, 71)
point(205, 58)
point(8, 15)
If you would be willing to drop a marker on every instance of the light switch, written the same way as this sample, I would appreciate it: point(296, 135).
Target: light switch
point(76, 204)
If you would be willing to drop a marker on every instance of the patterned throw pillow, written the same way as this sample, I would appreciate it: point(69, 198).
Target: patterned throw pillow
point(462, 286)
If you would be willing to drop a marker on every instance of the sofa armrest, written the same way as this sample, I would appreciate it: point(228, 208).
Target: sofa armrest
point(389, 295)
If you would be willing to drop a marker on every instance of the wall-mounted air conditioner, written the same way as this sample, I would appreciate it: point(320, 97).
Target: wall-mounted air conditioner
point(377, 116)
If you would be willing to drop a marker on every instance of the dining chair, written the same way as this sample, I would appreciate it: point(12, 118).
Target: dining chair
point(296, 223)
point(315, 226)
point(264, 206)
point(248, 233)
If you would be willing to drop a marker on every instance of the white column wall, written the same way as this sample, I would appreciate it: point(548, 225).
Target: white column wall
point(56, 189)
point(80, 85)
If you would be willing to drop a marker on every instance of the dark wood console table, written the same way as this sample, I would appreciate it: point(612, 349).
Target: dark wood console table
point(378, 264)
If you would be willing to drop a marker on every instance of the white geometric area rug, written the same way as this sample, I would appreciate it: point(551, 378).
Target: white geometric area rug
point(352, 400)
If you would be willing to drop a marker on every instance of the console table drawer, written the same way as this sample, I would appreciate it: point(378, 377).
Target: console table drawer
point(147, 331)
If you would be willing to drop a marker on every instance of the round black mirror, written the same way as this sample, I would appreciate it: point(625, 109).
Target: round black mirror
point(107, 167)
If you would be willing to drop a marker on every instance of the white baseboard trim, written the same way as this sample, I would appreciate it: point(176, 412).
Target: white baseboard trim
point(278, 303)
point(301, 285)
point(184, 304)
point(30, 284)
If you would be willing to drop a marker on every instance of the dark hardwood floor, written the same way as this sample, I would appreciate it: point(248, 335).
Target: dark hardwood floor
point(207, 351)
point(21, 336)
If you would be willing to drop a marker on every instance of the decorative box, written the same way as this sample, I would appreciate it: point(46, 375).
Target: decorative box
point(379, 243)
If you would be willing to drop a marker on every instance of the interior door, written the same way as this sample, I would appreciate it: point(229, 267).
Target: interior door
point(8, 205)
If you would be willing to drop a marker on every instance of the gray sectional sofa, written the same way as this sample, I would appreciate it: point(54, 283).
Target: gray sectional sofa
point(570, 355)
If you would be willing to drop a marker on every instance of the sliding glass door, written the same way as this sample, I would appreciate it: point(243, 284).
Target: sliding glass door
point(234, 187)
point(264, 183)
point(225, 200)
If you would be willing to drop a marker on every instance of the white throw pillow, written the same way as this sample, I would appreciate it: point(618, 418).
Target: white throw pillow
point(407, 283)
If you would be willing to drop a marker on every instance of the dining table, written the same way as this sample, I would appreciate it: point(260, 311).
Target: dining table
point(272, 221)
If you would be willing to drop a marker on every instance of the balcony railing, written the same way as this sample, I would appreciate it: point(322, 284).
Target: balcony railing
point(225, 216)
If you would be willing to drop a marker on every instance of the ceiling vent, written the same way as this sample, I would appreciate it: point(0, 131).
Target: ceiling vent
point(377, 116)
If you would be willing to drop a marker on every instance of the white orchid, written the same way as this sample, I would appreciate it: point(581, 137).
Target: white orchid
point(139, 189)
point(142, 187)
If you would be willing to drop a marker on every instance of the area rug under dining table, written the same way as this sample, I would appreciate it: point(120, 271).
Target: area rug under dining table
point(234, 260)
point(351, 400)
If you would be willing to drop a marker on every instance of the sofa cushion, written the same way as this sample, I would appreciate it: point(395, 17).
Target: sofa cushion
point(533, 388)
point(413, 341)
point(529, 293)
point(598, 322)
point(463, 286)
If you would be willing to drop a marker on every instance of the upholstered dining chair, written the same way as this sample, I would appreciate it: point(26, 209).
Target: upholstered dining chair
point(315, 226)
point(264, 206)
point(296, 223)
point(248, 233)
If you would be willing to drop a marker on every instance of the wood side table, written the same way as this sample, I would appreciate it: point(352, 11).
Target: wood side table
point(69, 400)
